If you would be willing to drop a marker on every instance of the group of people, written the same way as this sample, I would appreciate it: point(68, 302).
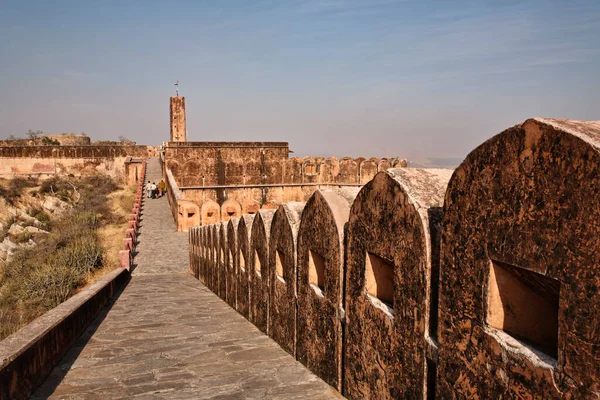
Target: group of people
point(155, 191)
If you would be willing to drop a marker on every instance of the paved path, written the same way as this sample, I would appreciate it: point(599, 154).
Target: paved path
point(169, 337)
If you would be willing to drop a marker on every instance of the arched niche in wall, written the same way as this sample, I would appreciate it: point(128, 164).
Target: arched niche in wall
point(250, 207)
point(230, 209)
point(210, 212)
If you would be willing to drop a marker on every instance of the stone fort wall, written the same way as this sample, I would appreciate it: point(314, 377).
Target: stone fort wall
point(245, 176)
point(77, 160)
point(482, 282)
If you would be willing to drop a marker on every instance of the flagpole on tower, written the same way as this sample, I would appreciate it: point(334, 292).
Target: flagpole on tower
point(177, 88)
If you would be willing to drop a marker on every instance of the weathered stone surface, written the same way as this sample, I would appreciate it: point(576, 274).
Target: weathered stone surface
point(54, 205)
point(244, 233)
point(320, 267)
point(203, 254)
point(178, 122)
point(348, 171)
point(194, 251)
point(16, 229)
point(521, 225)
point(210, 259)
point(234, 265)
point(383, 164)
point(76, 160)
point(223, 261)
point(215, 267)
point(282, 275)
point(387, 283)
point(367, 170)
point(258, 269)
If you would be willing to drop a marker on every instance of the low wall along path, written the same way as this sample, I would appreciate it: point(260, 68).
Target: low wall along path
point(168, 336)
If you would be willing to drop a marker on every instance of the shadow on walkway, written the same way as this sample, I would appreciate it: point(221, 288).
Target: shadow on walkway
point(60, 371)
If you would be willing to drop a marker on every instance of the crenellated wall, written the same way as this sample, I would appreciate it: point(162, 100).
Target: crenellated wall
point(70, 159)
point(237, 177)
point(425, 283)
point(292, 179)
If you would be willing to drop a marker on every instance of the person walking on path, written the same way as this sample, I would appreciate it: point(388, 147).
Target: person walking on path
point(162, 186)
point(153, 190)
point(149, 189)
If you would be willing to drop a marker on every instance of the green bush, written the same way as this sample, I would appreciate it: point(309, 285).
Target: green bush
point(50, 142)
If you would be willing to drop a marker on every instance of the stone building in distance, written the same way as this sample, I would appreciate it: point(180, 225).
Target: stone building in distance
point(247, 176)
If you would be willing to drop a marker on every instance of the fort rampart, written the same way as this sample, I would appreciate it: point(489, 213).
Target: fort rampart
point(76, 160)
point(227, 179)
point(427, 283)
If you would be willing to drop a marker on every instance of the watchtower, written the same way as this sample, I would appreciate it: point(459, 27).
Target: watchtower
point(178, 130)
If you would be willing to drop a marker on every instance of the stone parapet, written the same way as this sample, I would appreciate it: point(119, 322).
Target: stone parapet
point(283, 275)
point(520, 261)
point(258, 269)
point(427, 283)
point(28, 355)
point(320, 283)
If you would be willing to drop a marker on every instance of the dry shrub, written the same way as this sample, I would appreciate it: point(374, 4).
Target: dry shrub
point(15, 188)
point(39, 278)
point(22, 237)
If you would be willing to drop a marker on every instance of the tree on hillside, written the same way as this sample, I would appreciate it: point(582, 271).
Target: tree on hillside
point(124, 140)
point(33, 135)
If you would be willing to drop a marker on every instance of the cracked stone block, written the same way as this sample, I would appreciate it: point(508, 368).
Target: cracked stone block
point(320, 267)
point(519, 294)
point(388, 282)
point(282, 274)
point(258, 269)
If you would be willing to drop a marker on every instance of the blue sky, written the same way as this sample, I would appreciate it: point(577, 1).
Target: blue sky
point(332, 77)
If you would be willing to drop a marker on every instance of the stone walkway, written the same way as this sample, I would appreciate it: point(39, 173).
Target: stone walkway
point(168, 337)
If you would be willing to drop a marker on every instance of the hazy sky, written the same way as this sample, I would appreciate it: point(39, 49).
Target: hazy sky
point(333, 77)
